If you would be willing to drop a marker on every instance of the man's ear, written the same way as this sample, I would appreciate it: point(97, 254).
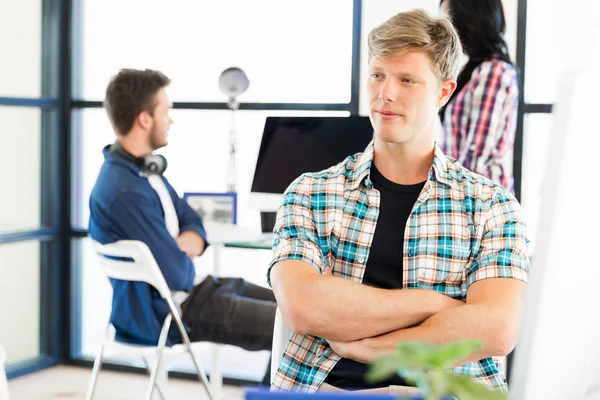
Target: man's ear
point(144, 119)
point(446, 90)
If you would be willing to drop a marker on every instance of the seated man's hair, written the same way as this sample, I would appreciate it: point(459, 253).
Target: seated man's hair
point(417, 30)
point(129, 93)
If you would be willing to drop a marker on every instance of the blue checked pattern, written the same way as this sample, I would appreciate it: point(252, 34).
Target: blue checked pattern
point(462, 229)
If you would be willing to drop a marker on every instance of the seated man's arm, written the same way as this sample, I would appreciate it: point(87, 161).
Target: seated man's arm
point(139, 217)
point(192, 238)
point(330, 306)
point(497, 281)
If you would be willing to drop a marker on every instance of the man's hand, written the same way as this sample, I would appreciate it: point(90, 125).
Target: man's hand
point(341, 348)
point(357, 350)
point(190, 243)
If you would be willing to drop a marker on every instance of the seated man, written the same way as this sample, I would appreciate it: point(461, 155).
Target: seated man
point(132, 200)
point(398, 243)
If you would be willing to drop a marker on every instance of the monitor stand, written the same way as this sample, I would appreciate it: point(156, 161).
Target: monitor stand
point(267, 221)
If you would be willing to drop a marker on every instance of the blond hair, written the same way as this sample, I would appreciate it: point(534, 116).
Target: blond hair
point(418, 30)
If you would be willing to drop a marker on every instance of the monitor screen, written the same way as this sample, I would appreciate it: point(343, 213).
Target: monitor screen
point(292, 146)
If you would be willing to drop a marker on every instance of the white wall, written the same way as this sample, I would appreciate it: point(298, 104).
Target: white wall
point(20, 46)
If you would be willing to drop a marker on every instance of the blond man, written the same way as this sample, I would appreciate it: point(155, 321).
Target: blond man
point(398, 243)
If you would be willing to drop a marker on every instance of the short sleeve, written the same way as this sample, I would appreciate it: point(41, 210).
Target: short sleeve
point(296, 236)
point(503, 249)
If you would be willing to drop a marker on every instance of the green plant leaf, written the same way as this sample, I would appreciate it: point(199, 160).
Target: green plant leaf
point(384, 367)
point(416, 353)
point(418, 378)
point(464, 388)
point(446, 356)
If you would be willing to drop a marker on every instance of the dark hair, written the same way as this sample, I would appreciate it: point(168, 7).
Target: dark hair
point(129, 93)
point(480, 25)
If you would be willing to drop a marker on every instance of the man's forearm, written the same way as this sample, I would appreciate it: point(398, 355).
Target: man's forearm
point(463, 322)
point(340, 309)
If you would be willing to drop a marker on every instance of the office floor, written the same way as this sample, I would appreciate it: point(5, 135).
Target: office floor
point(70, 383)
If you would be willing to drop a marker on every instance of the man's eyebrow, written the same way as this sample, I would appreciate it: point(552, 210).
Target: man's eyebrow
point(410, 76)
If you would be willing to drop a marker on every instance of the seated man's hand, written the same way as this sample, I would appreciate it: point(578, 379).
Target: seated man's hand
point(190, 243)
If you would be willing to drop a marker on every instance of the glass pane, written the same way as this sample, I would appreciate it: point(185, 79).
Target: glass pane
point(291, 51)
point(511, 8)
point(537, 130)
point(198, 153)
point(541, 56)
point(21, 45)
point(20, 168)
point(94, 303)
point(20, 300)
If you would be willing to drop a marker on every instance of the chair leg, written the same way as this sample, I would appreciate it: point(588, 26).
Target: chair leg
point(188, 346)
point(94, 377)
point(156, 384)
point(162, 340)
point(216, 375)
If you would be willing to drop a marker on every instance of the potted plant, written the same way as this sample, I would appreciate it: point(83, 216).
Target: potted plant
point(427, 366)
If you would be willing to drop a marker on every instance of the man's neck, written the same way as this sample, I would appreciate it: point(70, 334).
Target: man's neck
point(404, 164)
point(134, 146)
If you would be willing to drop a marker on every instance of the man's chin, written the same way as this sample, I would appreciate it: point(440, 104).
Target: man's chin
point(392, 137)
point(159, 145)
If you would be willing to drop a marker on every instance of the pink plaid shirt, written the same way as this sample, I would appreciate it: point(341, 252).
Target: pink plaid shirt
point(481, 121)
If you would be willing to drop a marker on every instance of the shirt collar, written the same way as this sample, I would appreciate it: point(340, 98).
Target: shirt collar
point(112, 157)
point(361, 170)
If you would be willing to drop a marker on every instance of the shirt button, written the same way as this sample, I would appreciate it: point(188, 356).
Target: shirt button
point(361, 260)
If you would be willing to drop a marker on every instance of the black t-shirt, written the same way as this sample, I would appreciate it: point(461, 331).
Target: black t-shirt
point(384, 267)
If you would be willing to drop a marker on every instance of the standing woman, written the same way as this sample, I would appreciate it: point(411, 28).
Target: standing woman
point(479, 120)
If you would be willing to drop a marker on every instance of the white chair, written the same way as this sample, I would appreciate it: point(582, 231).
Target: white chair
point(142, 268)
point(281, 337)
point(3, 383)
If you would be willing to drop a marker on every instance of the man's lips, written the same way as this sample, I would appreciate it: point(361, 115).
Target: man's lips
point(388, 114)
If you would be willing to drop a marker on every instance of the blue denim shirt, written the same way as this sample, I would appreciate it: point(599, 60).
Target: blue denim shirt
point(123, 206)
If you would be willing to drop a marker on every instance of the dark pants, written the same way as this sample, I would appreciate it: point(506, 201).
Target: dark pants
point(231, 311)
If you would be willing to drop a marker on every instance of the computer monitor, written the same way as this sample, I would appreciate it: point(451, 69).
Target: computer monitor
point(292, 146)
point(558, 354)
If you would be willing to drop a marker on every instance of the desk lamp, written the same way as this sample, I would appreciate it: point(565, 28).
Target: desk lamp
point(232, 82)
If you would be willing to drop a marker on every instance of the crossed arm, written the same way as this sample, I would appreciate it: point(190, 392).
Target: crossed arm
point(342, 310)
point(361, 322)
point(490, 314)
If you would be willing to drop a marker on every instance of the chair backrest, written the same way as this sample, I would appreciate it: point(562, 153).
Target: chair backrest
point(281, 336)
point(131, 260)
point(3, 381)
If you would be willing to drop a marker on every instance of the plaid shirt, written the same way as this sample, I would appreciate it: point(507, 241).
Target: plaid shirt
point(462, 229)
point(481, 120)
